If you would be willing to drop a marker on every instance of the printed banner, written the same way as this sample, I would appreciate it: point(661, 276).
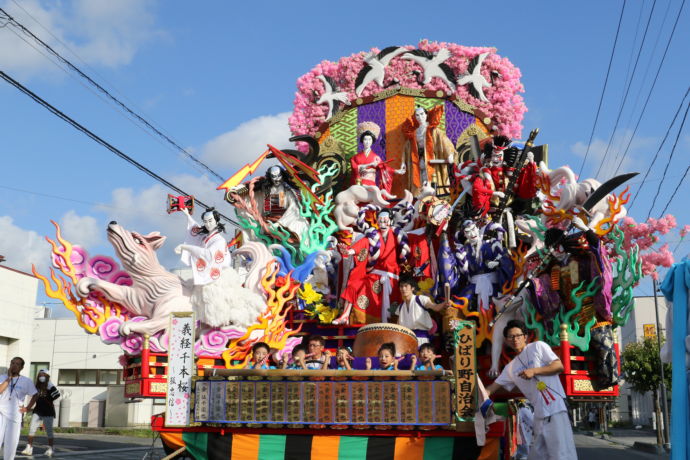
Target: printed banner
point(180, 368)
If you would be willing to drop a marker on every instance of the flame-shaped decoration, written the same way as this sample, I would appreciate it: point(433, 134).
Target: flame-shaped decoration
point(517, 255)
point(616, 203)
point(271, 322)
point(91, 312)
point(483, 319)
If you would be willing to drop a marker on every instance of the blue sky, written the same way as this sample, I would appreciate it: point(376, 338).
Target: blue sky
point(219, 78)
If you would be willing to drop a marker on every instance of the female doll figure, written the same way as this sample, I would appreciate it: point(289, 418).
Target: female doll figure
point(367, 166)
point(217, 295)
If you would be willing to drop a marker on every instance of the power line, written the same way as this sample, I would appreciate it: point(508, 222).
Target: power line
point(656, 77)
point(603, 90)
point(99, 140)
point(652, 54)
point(669, 160)
point(675, 191)
point(627, 89)
point(656, 155)
point(121, 104)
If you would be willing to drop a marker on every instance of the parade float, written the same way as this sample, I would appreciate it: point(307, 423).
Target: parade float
point(407, 169)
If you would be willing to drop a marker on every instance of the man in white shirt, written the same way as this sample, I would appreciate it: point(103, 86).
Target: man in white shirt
point(14, 388)
point(534, 371)
point(413, 311)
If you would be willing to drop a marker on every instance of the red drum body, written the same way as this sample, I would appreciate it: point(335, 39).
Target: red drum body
point(370, 337)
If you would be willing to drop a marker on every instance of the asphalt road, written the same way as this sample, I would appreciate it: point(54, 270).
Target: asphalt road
point(591, 448)
point(96, 446)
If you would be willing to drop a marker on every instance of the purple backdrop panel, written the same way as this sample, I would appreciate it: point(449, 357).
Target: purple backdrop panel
point(376, 112)
point(457, 121)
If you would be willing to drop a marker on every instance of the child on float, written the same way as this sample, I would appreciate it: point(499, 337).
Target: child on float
point(317, 358)
point(299, 354)
point(261, 353)
point(427, 355)
point(387, 360)
point(413, 311)
point(343, 358)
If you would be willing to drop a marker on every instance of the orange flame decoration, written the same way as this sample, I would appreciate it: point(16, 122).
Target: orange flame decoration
point(517, 255)
point(616, 203)
point(482, 318)
point(90, 315)
point(272, 321)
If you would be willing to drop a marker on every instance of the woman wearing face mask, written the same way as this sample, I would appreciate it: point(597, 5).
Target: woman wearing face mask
point(43, 411)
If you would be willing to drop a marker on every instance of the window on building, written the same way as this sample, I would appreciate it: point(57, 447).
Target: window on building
point(90, 377)
point(35, 367)
point(67, 377)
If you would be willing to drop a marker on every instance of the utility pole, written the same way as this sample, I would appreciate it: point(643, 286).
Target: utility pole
point(662, 386)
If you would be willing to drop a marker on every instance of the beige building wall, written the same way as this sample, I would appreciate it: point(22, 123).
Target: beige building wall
point(18, 292)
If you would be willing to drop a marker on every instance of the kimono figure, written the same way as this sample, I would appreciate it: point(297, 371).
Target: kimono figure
point(370, 290)
point(217, 296)
point(355, 281)
point(425, 141)
point(577, 258)
point(367, 166)
point(484, 264)
point(206, 251)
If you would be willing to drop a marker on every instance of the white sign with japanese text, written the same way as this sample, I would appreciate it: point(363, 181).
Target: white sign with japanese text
point(180, 368)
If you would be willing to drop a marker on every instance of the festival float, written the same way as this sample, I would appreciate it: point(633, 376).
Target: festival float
point(407, 175)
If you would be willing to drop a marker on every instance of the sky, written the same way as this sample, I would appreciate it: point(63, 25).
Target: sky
point(220, 77)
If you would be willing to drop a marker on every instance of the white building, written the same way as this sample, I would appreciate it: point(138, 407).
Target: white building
point(632, 406)
point(17, 310)
point(88, 373)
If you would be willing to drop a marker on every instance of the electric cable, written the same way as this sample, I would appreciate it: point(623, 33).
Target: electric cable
point(680, 182)
point(680, 130)
point(627, 89)
point(656, 155)
point(99, 140)
point(100, 88)
point(649, 95)
point(603, 90)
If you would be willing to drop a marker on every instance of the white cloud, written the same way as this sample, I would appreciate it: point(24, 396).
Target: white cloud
point(641, 149)
point(246, 142)
point(82, 229)
point(100, 32)
point(22, 248)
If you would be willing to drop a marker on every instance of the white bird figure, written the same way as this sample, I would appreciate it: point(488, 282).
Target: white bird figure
point(474, 78)
point(433, 65)
point(375, 67)
point(331, 96)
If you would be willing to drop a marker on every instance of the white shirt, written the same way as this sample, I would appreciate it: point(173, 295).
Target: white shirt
point(546, 402)
point(412, 315)
point(19, 388)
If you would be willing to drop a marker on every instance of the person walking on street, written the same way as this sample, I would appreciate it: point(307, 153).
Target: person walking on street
point(592, 418)
point(43, 411)
point(14, 388)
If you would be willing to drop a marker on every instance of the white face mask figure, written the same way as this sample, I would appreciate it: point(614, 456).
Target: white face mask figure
point(420, 115)
point(276, 175)
point(471, 233)
point(497, 158)
point(42, 379)
point(367, 142)
point(209, 221)
point(384, 221)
